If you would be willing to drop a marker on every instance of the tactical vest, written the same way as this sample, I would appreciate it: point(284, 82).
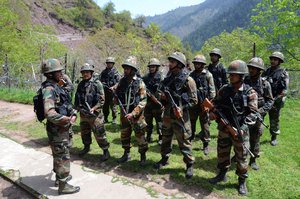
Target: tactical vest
point(109, 77)
point(87, 91)
point(276, 79)
point(202, 84)
point(218, 73)
point(129, 93)
point(258, 86)
point(152, 81)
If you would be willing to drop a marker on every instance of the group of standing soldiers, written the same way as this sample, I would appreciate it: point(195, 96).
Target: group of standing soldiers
point(176, 102)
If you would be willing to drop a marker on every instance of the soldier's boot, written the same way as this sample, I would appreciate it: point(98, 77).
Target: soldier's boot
point(65, 188)
point(67, 180)
point(189, 171)
point(114, 122)
point(149, 137)
point(273, 140)
point(125, 157)
point(159, 142)
point(219, 178)
point(242, 189)
point(143, 159)
point(163, 162)
point(85, 150)
point(105, 155)
point(253, 164)
point(205, 148)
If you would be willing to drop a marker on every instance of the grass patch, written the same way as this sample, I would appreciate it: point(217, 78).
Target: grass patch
point(17, 95)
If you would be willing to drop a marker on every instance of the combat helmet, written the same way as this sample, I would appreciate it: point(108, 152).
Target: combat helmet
point(257, 62)
point(131, 61)
point(154, 62)
point(199, 59)
point(216, 51)
point(178, 56)
point(87, 67)
point(51, 65)
point(110, 60)
point(237, 67)
point(278, 55)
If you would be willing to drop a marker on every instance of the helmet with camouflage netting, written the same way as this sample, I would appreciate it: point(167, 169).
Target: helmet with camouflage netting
point(154, 62)
point(87, 67)
point(257, 62)
point(199, 59)
point(278, 55)
point(131, 61)
point(180, 57)
point(237, 67)
point(216, 51)
point(51, 65)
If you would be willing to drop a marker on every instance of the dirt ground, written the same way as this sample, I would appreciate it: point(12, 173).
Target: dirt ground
point(11, 191)
point(14, 112)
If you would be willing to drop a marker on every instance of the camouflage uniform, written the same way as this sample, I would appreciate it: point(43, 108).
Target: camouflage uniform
point(279, 80)
point(68, 85)
point(109, 78)
point(265, 103)
point(91, 92)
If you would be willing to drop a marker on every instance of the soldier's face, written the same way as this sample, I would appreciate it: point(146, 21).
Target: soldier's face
point(127, 71)
point(234, 78)
point(214, 58)
point(172, 64)
point(152, 69)
point(253, 72)
point(57, 75)
point(86, 75)
point(274, 61)
point(109, 65)
point(199, 67)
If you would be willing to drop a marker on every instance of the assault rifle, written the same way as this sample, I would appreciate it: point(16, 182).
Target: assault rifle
point(176, 109)
point(261, 120)
point(85, 111)
point(236, 134)
point(154, 99)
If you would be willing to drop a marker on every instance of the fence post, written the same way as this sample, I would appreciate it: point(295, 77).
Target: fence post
point(66, 62)
point(7, 71)
point(73, 75)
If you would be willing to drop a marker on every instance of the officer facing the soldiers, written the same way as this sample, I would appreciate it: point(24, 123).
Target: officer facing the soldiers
point(238, 104)
point(154, 108)
point(265, 103)
point(89, 100)
point(279, 80)
point(205, 89)
point(132, 97)
point(178, 93)
point(109, 77)
point(217, 69)
point(60, 115)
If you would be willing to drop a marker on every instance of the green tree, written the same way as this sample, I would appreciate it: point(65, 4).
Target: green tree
point(109, 9)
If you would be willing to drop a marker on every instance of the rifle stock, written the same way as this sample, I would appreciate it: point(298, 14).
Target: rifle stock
point(154, 99)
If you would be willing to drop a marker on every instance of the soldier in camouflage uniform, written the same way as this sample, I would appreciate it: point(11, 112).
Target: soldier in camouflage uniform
point(109, 77)
point(205, 89)
point(178, 92)
point(238, 103)
point(279, 80)
point(89, 100)
point(60, 115)
point(265, 103)
point(153, 109)
point(217, 69)
point(132, 98)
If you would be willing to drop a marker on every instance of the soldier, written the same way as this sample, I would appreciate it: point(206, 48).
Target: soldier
point(178, 93)
point(279, 80)
point(109, 77)
point(154, 108)
point(238, 104)
point(217, 69)
point(132, 98)
point(265, 103)
point(89, 100)
point(205, 89)
point(60, 115)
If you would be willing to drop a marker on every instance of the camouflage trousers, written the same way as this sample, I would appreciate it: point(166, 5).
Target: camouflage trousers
point(150, 113)
point(58, 140)
point(196, 112)
point(139, 128)
point(95, 124)
point(173, 126)
point(109, 103)
point(255, 133)
point(274, 115)
point(225, 141)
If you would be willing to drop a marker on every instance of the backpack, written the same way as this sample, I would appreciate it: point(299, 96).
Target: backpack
point(38, 105)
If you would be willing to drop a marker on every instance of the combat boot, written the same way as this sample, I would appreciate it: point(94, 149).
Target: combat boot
point(143, 159)
point(205, 148)
point(114, 122)
point(57, 180)
point(105, 155)
point(242, 189)
point(274, 140)
point(149, 137)
point(125, 157)
point(220, 177)
point(159, 142)
point(65, 188)
point(163, 162)
point(189, 171)
point(253, 164)
point(85, 150)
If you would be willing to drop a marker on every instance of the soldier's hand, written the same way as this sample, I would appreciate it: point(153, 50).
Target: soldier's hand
point(212, 116)
point(73, 119)
point(163, 96)
point(129, 116)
